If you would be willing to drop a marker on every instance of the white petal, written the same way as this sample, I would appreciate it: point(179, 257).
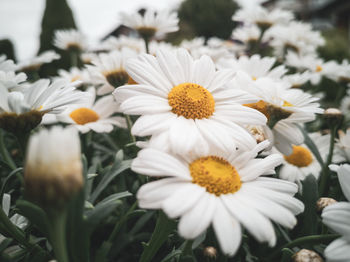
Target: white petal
point(227, 230)
point(182, 200)
point(338, 251)
point(257, 224)
point(153, 162)
point(196, 220)
point(140, 105)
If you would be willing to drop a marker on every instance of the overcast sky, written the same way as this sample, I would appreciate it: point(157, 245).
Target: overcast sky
point(20, 20)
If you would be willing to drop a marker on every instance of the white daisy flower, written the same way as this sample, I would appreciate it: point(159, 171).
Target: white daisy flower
point(262, 17)
point(79, 76)
point(316, 66)
point(247, 34)
point(342, 147)
point(337, 217)
point(95, 115)
point(35, 63)
point(70, 39)
point(26, 108)
point(284, 108)
point(186, 99)
point(295, 36)
point(302, 162)
point(297, 80)
point(223, 189)
point(11, 80)
point(108, 70)
point(152, 23)
point(255, 66)
point(6, 65)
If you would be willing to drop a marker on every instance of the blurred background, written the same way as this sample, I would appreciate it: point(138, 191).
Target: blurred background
point(27, 26)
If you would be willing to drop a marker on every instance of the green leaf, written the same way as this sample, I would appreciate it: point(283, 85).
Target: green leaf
point(104, 209)
point(310, 197)
point(7, 179)
point(175, 254)
point(35, 215)
point(199, 240)
point(164, 227)
point(117, 168)
point(287, 255)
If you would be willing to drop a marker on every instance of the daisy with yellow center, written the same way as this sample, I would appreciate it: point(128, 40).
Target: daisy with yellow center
point(255, 66)
point(74, 75)
point(302, 162)
point(283, 106)
point(93, 115)
point(223, 189)
point(21, 111)
point(108, 70)
point(316, 67)
point(185, 102)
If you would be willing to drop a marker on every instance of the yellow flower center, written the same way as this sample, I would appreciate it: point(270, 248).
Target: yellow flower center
point(191, 101)
point(215, 174)
point(261, 106)
point(254, 78)
point(319, 68)
point(301, 157)
point(84, 115)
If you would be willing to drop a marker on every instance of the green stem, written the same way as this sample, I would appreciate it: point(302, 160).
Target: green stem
point(121, 222)
point(58, 235)
point(129, 123)
point(314, 239)
point(146, 44)
point(325, 175)
point(187, 250)
point(74, 58)
point(4, 152)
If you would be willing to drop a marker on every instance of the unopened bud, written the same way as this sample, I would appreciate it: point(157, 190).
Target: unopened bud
point(210, 252)
point(333, 116)
point(324, 202)
point(53, 168)
point(306, 255)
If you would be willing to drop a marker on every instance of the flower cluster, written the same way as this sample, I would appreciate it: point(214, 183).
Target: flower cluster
point(219, 135)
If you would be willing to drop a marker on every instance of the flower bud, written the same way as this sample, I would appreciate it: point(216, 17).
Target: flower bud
point(210, 252)
point(53, 168)
point(324, 202)
point(333, 116)
point(306, 255)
